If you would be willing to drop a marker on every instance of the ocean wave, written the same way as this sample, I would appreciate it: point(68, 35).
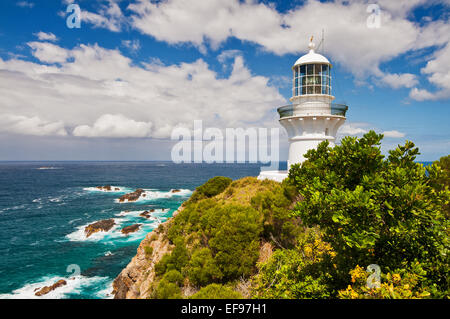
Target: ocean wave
point(48, 167)
point(114, 189)
point(152, 194)
point(80, 235)
point(75, 285)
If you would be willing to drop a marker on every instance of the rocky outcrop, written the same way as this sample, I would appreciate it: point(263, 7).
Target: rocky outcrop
point(106, 188)
point(175, 190)
point(147, 213)
point(101, 225)
point(132, 197)
point(135, 281)
point(130, 229)
point(45, 290)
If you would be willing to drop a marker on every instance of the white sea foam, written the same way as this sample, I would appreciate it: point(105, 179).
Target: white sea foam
point(80, 235)
point(48, 167)
point(114, 189)
point(152, 194)
point(75, 285)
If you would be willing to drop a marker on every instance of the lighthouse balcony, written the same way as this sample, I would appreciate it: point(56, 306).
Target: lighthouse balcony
point(297, 110)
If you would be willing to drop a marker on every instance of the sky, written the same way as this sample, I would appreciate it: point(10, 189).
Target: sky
point(115, 88)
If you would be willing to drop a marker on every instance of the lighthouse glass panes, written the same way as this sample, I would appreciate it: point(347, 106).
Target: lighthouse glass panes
point(312, 79)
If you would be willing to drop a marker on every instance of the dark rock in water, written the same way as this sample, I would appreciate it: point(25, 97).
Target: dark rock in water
point(176, 190)
point(117, 189)
point(130, 229)
point(145, 214)
point(105, 188)
point(131, 197)
point(102, 225)
point(152, 210)
point(45, 290)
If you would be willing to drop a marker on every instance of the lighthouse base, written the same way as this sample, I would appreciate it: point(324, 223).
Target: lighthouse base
point(277, 176)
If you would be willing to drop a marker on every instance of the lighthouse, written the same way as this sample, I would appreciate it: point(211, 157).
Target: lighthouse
point(312, 117)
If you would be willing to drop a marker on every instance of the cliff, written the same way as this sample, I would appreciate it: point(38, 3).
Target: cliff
point(135, 281)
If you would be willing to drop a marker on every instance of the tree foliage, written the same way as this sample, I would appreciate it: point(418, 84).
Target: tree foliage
point(374, 210)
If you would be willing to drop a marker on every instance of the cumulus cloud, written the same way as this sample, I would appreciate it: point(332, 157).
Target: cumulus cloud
point(100, 92)
point(48, 52)
point(352, 129)
point(114, 125)
point(393, 134)
point(43, 36)
point(23, 125)
point(438, 72)
point(348, 39)
point(396, 81)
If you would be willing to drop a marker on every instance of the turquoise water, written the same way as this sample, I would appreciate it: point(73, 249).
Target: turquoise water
point(43, 212)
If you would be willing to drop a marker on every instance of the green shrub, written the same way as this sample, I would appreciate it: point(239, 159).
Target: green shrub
point(167, 290)
point(212, 187)
point(202, 268)
point(374, 210)
point(216, 291)
point(148, 251)
point(174, 276)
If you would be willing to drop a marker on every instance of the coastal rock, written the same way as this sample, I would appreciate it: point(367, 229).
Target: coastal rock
point(106, 188)
point(132, 197)
point(176, 190)
point(145, 214)
point(135, 281)
point(45, 290)
point(131, 229)
point(102, 225)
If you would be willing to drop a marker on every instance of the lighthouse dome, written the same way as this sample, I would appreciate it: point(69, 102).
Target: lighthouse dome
point(312, 57)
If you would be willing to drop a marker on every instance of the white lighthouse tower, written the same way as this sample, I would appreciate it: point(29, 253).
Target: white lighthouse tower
point(312, 117)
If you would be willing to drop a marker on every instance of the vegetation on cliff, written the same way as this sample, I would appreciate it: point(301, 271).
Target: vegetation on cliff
point(313, 235)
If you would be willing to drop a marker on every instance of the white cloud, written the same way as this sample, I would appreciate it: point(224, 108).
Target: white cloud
point(352, 129)
point(48, 52)
point(30, 126)
point(348, 39)
point(109, 16)
point(25, 4)
point(133, 45)
point(393, 134)
point(43, 36)
point(438, 72)
point(116, 125)
point(396, 81)
point(100, 92)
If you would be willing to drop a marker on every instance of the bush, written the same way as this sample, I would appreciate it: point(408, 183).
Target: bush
point(148, 251)
point(375, 211)
point(167, 290)
point(303, 272)
point(202, 268)
point(212, 187)
point(399, 284)
point(216, 291)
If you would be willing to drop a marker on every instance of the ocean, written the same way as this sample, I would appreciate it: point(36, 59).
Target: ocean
point(44, 207)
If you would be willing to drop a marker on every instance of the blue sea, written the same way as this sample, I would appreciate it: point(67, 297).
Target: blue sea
point(44, 207)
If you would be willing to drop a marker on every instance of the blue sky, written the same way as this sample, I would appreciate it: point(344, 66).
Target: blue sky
point(115, 88)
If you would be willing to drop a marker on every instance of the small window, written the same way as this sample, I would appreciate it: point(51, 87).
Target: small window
point(317, 69)
point(310, 69)
point(302, 70)
point(317, 89)
point(326, 131)
point(310, 90)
